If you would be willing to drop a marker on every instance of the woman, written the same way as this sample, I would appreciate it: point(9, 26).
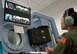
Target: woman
point(67, 42)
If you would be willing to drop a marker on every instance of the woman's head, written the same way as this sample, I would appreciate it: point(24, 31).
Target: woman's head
point(68, 12)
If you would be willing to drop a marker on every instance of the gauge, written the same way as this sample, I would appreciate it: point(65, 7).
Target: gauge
point(14, 38)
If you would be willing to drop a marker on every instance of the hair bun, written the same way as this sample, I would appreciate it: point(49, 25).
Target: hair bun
point(69, 11)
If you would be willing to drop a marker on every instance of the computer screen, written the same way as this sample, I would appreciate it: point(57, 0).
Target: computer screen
point(17, 13)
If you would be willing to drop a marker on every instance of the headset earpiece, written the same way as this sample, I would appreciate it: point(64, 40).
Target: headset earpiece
point(69, 20)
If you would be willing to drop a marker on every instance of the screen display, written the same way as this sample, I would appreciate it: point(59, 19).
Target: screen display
point(16, 13)
point(16, 19)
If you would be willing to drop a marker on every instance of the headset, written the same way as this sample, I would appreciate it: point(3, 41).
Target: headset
point(68, 20)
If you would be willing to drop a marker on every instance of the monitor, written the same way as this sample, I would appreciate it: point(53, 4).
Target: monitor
point(17, 13)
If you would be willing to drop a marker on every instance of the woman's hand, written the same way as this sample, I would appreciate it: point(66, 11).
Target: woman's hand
point(49, 51)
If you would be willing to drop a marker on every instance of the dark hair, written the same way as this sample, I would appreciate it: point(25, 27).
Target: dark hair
point(71, 13)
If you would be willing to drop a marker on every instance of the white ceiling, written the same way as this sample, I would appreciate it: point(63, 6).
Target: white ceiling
point(35, 4)
point(47, 6)
point(40, 4)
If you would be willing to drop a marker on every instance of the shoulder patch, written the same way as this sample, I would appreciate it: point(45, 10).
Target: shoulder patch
point(61, 40)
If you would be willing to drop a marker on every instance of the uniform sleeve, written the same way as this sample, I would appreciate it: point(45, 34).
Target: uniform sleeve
point(70, 46)
point(61, 45)
point(67, 48)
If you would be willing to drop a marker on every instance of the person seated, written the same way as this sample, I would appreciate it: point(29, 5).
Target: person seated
point(67, 42)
